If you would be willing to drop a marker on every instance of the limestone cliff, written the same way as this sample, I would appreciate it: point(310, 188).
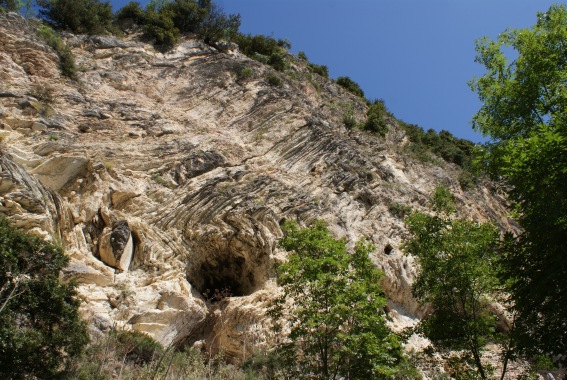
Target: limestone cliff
point(166, 177)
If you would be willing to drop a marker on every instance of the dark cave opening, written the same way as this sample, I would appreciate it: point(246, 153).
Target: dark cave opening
point(220, 278)
point(388, 249)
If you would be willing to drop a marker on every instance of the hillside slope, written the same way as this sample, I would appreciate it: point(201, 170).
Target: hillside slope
point(166, 176)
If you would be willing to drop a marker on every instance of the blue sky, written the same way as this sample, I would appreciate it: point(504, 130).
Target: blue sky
point(417, 55)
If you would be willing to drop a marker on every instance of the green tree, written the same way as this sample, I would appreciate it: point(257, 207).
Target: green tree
point(40, 325)
point(217, 25)
point(78, 16)
point(338, 326)
point(188, 15)
point(524, 112)
point(457, 279)
point(160, 28)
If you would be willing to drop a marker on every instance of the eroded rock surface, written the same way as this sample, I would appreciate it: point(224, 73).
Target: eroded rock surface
point(166, 177)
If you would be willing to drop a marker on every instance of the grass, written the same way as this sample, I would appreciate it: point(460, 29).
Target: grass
point(134, 355)
point(243, 74)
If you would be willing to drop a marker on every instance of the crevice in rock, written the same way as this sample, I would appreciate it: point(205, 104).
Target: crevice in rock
point(388, 249)
point(136, 257)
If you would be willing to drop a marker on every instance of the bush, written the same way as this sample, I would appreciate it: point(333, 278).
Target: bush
point(350, 85)
point(217, 25)
point(138, 348)
point(443, 144)
point(160, 28)
point(319, 69)
point(399, 209)
point(349, 121)
point(244, 73)
point(263, 49)
point(376, 118)
point(276, 60)
point(187, 15)
point(164, 21)
point(40, 325)
point(78, 16)
point(274, 80)
point(66, 59)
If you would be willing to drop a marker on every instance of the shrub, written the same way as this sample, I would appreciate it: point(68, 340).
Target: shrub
point(276, 60)
point(134, 355)
point(376, 118)
point(186, 15)
point(399, 209)
point(350, 85)
point(263, 49)
point(164, 21)
point(78, 16)
point(274, 80)
point(319, 69)
point(66, 59)
point(349, 121)
point(137, 347)
point(40, 325)
point(160, 28)
point(217, 25)
point(443, 144)
point(244, 73)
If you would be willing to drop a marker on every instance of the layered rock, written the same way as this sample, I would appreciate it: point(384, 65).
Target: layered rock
point(166, 177)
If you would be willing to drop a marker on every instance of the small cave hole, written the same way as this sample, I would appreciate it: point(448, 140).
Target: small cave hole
point(388, 249)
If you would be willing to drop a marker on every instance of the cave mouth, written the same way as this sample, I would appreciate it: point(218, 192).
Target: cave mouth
point(221, 278)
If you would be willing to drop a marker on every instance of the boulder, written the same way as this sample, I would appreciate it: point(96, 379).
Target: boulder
point(56, 172)
point(116, 246)
point(84, 274)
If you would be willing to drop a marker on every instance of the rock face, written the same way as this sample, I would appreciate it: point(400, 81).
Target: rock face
point(166, 177)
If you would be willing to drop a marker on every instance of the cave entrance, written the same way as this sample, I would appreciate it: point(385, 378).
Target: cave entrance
point(223, 277)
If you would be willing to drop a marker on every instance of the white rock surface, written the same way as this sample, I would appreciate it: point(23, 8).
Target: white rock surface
point(203, 168)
